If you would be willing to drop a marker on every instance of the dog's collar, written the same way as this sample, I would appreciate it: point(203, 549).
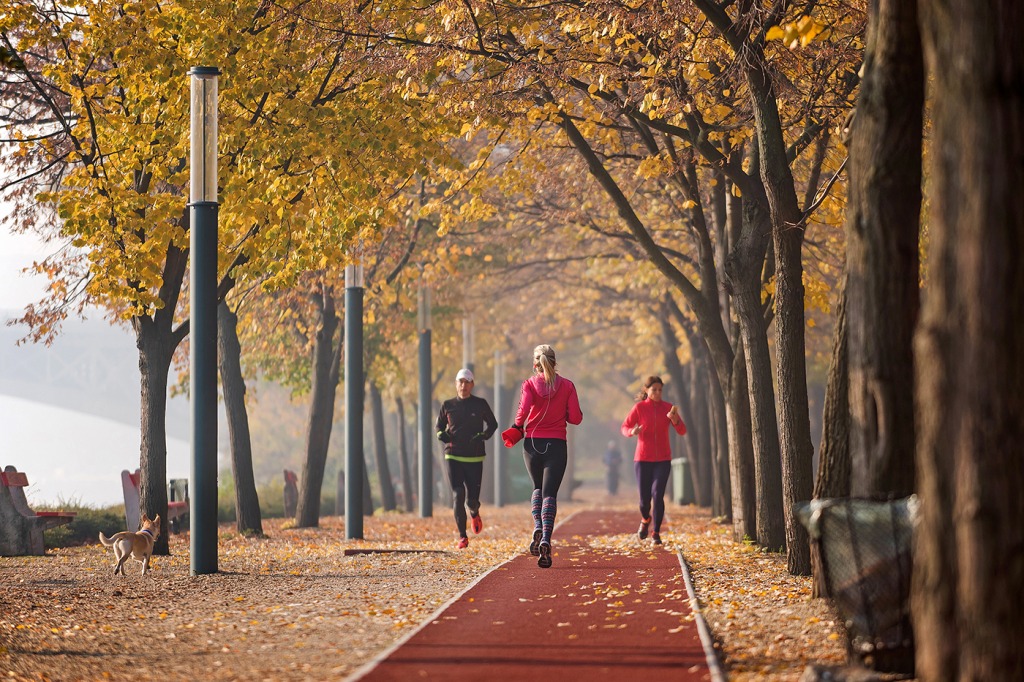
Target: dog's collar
point(147, 532)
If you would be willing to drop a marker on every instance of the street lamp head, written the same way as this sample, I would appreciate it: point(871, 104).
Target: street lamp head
point(354, 276)
point(203, 159)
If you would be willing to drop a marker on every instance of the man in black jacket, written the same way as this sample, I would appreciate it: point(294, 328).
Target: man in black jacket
point(463, 425)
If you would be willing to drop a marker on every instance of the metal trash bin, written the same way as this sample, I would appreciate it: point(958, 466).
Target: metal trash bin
point(865, 550)
point(682, 482)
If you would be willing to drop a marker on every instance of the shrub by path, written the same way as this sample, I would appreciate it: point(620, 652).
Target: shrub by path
point(598, 613)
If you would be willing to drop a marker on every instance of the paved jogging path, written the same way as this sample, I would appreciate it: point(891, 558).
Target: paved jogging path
point(599, 613)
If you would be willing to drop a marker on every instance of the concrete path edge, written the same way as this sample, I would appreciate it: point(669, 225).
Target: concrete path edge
point(706, 640)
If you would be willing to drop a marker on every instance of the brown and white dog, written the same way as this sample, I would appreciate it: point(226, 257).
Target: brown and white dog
point(138, 545)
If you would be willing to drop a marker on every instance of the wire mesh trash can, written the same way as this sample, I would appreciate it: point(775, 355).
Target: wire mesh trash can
point(865, 550)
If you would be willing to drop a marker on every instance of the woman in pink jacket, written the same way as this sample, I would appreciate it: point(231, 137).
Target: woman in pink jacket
point(650, 419)
point(547, 404)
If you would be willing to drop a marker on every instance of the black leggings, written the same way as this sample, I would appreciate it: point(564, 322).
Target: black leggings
point(465, 478)
point(546, 459)
point(652, 479)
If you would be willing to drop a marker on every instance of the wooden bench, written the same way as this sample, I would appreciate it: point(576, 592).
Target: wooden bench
point(132, 508)
point(21, 528)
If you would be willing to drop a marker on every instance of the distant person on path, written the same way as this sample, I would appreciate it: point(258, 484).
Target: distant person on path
point(612, 462)
point(547, 403)
point(463, 424)
point(650, 419)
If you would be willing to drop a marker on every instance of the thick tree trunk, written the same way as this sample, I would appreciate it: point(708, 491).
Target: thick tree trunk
point(324, 379)
point(155, 352)
point(248, 520)
point(404, 470)
point(380, 450)
point(883, 269)
point(968, 564)
point(794, 424)
point(743, 271)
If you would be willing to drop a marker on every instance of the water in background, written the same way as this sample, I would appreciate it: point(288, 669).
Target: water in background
point(73, 456)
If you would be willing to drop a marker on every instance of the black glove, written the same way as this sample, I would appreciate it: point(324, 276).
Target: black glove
point(444, 436)
point(480, 436)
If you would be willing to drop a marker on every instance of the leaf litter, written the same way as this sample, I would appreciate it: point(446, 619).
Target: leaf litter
point(293, 606)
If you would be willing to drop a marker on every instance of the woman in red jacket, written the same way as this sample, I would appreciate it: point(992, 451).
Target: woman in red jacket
point(650, 419)
point(548, 402)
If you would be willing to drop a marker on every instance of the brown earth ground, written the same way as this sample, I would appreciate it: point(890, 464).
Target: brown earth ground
point(292, 606)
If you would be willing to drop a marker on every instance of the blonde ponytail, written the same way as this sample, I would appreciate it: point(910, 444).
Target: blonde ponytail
point(544, 359)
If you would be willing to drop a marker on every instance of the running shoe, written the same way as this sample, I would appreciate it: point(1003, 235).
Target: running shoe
point(463, 543)
point(642, 531)
point(544, 560)
point(477, 523)
point(656, 538)
point(535, 545)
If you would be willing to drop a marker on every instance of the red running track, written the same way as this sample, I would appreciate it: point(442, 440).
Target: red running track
point(599, 613)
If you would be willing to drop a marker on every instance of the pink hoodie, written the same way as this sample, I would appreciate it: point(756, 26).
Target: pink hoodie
point(544, 412)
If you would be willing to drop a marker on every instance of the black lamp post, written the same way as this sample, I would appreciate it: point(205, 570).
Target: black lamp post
point(354, 401)
point(203, 322)
point(499, 413)
point(468, 343)
point(426, 487)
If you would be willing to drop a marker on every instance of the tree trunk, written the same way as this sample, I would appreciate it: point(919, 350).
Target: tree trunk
point(721, 499)
point(745, 283)
point(404, 470)
point(248, 520)
point(968, 565)
point(387, 488)
point(324, 379)
point(367, 492)
point(883, 269)
point(701, 447)
point(794, 425)
point(155, 352)
point(742, 479)
point(833, 479)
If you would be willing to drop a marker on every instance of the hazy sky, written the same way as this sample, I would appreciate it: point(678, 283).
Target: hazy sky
point(17, 252)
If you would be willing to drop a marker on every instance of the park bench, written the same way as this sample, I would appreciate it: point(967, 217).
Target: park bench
point(21, 528)
point(177, 501)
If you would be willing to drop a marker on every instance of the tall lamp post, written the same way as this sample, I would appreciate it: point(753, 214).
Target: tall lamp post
point(468, 341)
point(499, 413)
point(426, 483)
point(203, 323)
point(354, 401)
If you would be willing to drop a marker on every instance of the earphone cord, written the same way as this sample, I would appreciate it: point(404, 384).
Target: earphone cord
point(526, 423)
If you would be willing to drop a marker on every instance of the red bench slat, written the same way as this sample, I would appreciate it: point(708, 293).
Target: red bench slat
point(14, 478)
